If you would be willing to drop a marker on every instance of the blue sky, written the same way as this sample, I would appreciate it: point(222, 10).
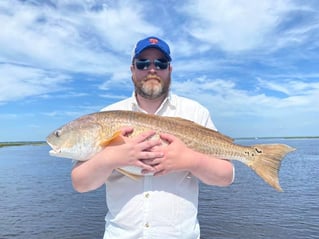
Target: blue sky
point(253, 64)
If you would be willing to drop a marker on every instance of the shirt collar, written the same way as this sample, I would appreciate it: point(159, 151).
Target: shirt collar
point(169, 101)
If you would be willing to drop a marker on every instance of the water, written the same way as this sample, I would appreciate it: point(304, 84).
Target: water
point(37, 199)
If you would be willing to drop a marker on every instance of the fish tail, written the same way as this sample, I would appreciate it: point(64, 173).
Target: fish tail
point(267, 162)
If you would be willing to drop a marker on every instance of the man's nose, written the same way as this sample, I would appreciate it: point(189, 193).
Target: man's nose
point(152, 67)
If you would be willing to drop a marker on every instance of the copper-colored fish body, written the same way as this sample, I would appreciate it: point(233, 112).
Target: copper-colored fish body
point(82, 138)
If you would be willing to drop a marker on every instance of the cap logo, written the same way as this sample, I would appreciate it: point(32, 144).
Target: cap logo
point(153, 40)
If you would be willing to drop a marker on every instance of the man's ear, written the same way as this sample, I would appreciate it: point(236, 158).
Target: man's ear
point(170, 68)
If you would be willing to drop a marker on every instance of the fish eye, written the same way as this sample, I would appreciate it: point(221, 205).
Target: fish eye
point(57, 133)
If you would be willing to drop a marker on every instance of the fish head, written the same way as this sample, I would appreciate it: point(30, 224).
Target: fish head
point(78, 139)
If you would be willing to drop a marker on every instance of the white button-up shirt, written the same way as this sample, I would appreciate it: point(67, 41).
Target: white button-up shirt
point(155, 206)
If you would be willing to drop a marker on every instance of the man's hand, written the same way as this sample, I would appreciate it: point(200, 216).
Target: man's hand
point(177, 156)
point(132, 151)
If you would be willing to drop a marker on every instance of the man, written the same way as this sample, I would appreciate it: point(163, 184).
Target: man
point(164, 205)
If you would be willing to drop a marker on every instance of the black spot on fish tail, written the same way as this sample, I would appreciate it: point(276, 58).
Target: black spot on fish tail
point(258, 150)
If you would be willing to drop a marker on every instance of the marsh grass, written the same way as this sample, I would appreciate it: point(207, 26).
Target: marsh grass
point(7, 144)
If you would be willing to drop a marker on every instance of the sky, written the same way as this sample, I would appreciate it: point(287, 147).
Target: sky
point(253, 64)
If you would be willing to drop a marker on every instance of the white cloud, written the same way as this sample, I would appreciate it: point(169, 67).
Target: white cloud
point(71, 37)
point(225, 97)
point(42, 46)
point(245, 113)
point(235, 25)
point(18, 82)
point(302, 96)
point(290, 87)
point(235, 58)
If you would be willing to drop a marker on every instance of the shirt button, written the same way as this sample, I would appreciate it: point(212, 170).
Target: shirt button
point(147, 225)
point(147, 195)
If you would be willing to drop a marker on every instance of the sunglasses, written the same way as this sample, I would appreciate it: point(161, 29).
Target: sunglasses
point(144, 64)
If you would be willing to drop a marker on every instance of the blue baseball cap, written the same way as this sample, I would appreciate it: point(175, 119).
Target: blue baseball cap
point(151, 42)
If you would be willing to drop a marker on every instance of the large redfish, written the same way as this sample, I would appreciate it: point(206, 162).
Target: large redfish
point(82, 138)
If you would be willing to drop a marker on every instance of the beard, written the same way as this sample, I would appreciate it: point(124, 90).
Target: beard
point(152, 87)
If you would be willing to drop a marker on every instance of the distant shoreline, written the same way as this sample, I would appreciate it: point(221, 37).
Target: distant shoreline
point(283, 137)
point(35, 143)
point(21, 143)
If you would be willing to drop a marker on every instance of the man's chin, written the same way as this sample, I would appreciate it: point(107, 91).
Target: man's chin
point(152, 94)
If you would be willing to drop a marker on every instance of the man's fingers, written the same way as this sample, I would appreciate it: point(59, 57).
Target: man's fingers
point(145, 135)
point(146, 168)
point(126, 131)
point(153, 162)
point(167, 137)
point(150, 145)
point(148, 156)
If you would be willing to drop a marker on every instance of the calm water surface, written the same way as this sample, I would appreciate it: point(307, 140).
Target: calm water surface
point(37, 199)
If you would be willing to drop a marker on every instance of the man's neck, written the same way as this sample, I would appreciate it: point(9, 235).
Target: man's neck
point(150, 105)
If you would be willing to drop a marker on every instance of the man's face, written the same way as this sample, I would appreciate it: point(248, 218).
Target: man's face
point(152, 81)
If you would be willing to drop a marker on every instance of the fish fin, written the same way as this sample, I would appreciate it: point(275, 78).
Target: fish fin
point(115, 139)
point(267, 160)
point(130, 175)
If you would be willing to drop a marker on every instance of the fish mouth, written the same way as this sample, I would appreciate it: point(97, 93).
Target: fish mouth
point(54, 151)
point(60, 152)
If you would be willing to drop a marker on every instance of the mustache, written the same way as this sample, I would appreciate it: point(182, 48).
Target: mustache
point(153, 77)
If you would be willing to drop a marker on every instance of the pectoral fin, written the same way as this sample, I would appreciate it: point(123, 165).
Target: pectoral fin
point(115, 139)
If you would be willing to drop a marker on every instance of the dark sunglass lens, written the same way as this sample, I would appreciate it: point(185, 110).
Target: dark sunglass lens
point(161, 64)
point(142, 64)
